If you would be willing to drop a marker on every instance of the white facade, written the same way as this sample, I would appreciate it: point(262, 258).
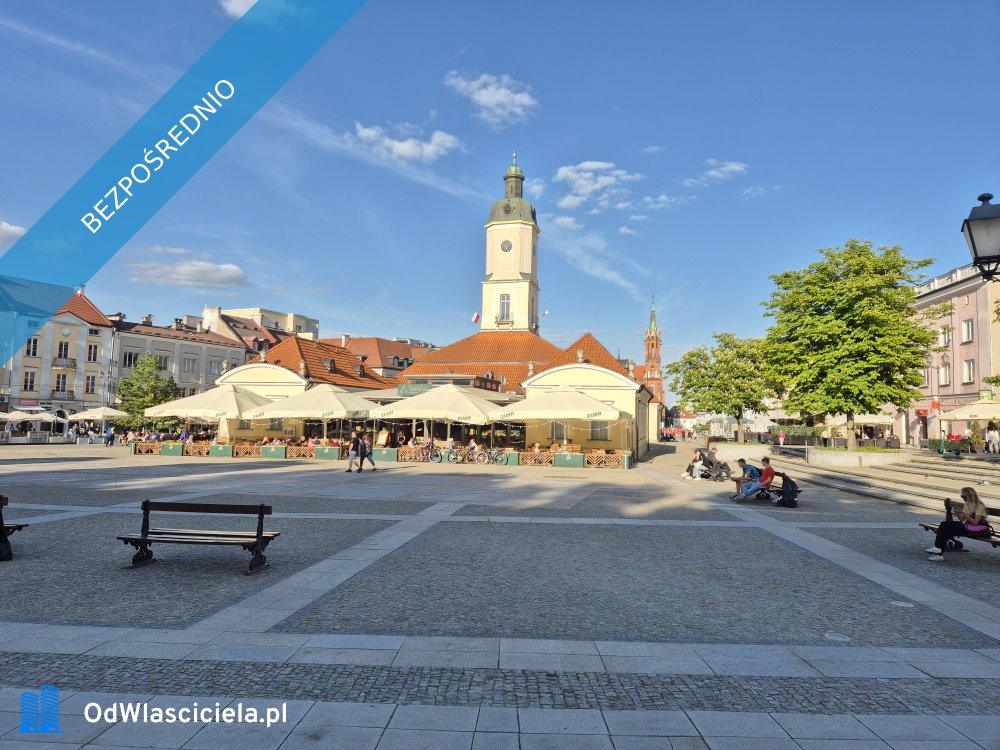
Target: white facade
point(510, 289)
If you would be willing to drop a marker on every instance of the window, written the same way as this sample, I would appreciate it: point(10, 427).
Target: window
point(504, 307)
point(967, 330)
point(190, 364)
point(275, 424)
point(62, 350)
point(94, 332)
point(558, 431)
point(599, 431)
point(944, 338)
point(944, 374)
point(244, 424)
point(29, 380)
point(162, 360)
point(92, 350)
point(215, 368)
point(968, 370)
point(298, 329)
point(61, 382)
point(130, 358)
point(90, 384)
point(31, 348)
point(927, 377)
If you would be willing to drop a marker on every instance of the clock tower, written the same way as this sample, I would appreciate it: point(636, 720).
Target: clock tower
point(510, 289)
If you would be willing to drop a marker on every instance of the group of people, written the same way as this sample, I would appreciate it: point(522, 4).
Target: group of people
point(359, 449)
point(749, 481)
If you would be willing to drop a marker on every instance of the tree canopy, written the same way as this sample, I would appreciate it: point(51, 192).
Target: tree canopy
point(847, 336)
point(144, 388)
point(730, 378)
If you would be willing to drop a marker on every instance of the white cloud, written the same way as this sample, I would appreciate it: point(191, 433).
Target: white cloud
point(597, 182)
point(199, 274)
point(9, 233)
point(662, 201)
point(406, 149)
point(652, 149)
point(499, 101)
point(67, 45)
point(626, 231)
point(588, 253)
point(567, 222)
point(534, 187)
point(164, 250)
point(236, 8)
point(623, 205)
point(717, 172)
point(638, 217)
point(758, 190)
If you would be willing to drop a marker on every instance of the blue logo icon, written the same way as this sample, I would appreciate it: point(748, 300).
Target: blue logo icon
point(40, 712)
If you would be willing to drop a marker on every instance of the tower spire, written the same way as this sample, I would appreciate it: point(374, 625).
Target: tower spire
point(652, 317)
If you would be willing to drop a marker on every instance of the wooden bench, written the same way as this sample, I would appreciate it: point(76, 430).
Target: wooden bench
point(6, 529)
point(254, 542)
point(992, 518)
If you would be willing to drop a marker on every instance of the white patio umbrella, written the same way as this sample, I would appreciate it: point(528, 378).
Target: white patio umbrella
point(44, 416)
point(448, 403)
point(102, 413)
point(982, 409)
point(322, 401)
point(18, 416)
point(840, 420)
point(222, 402)
point(558, 404)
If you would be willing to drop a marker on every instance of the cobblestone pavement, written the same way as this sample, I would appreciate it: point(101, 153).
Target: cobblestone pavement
point(495, 607)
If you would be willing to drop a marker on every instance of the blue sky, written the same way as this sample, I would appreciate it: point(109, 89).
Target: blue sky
point(682, 150)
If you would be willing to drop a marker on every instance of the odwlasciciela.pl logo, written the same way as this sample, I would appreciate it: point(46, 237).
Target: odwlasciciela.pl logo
point(40, 711)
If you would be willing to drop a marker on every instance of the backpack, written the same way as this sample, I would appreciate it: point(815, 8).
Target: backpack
point(789, 493)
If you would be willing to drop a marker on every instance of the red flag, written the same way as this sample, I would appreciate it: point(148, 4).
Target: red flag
point(475, 318)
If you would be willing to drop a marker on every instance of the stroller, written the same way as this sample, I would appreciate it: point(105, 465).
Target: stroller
point(785, 496)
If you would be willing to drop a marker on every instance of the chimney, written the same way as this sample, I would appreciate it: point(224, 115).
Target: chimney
point(344, 338)
point(631, 369)
point(531, 368)
point(199, 327)
point(579, 355)
point(178, 324)
point(302, 367)
point(147, 320)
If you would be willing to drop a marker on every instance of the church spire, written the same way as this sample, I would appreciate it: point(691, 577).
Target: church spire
point(514, 180)
point(652, 318)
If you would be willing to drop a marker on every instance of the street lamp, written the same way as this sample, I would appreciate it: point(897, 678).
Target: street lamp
point(982, 233)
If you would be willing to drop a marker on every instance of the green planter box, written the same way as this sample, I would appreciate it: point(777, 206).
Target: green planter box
point(385, 454)
point(132, 448)
point(628, 460)
point(272, 451)
point(512, 458)
point(172, 449)
point(328, 453)
point(571, 460)
point(221, 451)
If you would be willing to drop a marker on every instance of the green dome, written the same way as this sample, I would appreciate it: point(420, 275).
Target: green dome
point(514, 171)
point(512, 209)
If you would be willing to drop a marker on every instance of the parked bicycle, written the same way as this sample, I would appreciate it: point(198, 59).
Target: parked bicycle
point(427, 453)
point(490, 455)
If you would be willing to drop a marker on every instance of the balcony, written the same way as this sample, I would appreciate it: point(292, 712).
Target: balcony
point(64, 363)
point(64, 395)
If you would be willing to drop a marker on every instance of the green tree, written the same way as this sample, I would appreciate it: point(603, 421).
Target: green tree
point(847, 336)
point(144, 388)
point(731, 378)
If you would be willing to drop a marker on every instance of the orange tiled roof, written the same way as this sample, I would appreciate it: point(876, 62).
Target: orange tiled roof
point(593, 353)
point(85, 310)
point(378, 350)
point(505, 354)
point(325, 363)
point(184, 334)
point(249, 330)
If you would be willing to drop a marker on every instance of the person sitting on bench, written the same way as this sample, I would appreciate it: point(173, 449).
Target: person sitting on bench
point(972, 522)
point(695, 466)
point(748, 473)
point(761, 482)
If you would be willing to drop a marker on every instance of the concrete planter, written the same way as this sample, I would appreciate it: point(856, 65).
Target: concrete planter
point(819, 457)
point(512, 458)
point(172, 449)
point(272, 451)
point(568, 460)
point(221, 451)
point(328, 453)
point(132, 449)
point(384, 454)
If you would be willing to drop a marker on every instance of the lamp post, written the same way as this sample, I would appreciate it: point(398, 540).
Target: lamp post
point(982, 233)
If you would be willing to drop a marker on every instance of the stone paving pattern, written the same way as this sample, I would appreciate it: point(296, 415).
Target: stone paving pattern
point(609, 504)
point(647, 583)
point(285, 503)
point(90, 581)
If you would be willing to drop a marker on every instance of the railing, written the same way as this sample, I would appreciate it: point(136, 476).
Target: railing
point(407, 453)
point(151, 448)
point(602, 460)
point(64, 395)
point(300, 451)
point(197, 449)
point(68, 363)
point(246, 449)
point(530, 458)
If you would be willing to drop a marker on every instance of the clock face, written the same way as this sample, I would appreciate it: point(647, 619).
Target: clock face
point(506, 246)
point(66, 331)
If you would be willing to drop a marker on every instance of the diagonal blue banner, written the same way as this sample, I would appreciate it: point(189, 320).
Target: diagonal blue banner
point(157, 156)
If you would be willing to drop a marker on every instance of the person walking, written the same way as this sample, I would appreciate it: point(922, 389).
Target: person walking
point(109, 437)
point(972, 522)
point(992, 438)
point(353, 451)
point(366, 452)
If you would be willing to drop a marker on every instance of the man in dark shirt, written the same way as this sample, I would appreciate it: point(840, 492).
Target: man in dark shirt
point(353, 453)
